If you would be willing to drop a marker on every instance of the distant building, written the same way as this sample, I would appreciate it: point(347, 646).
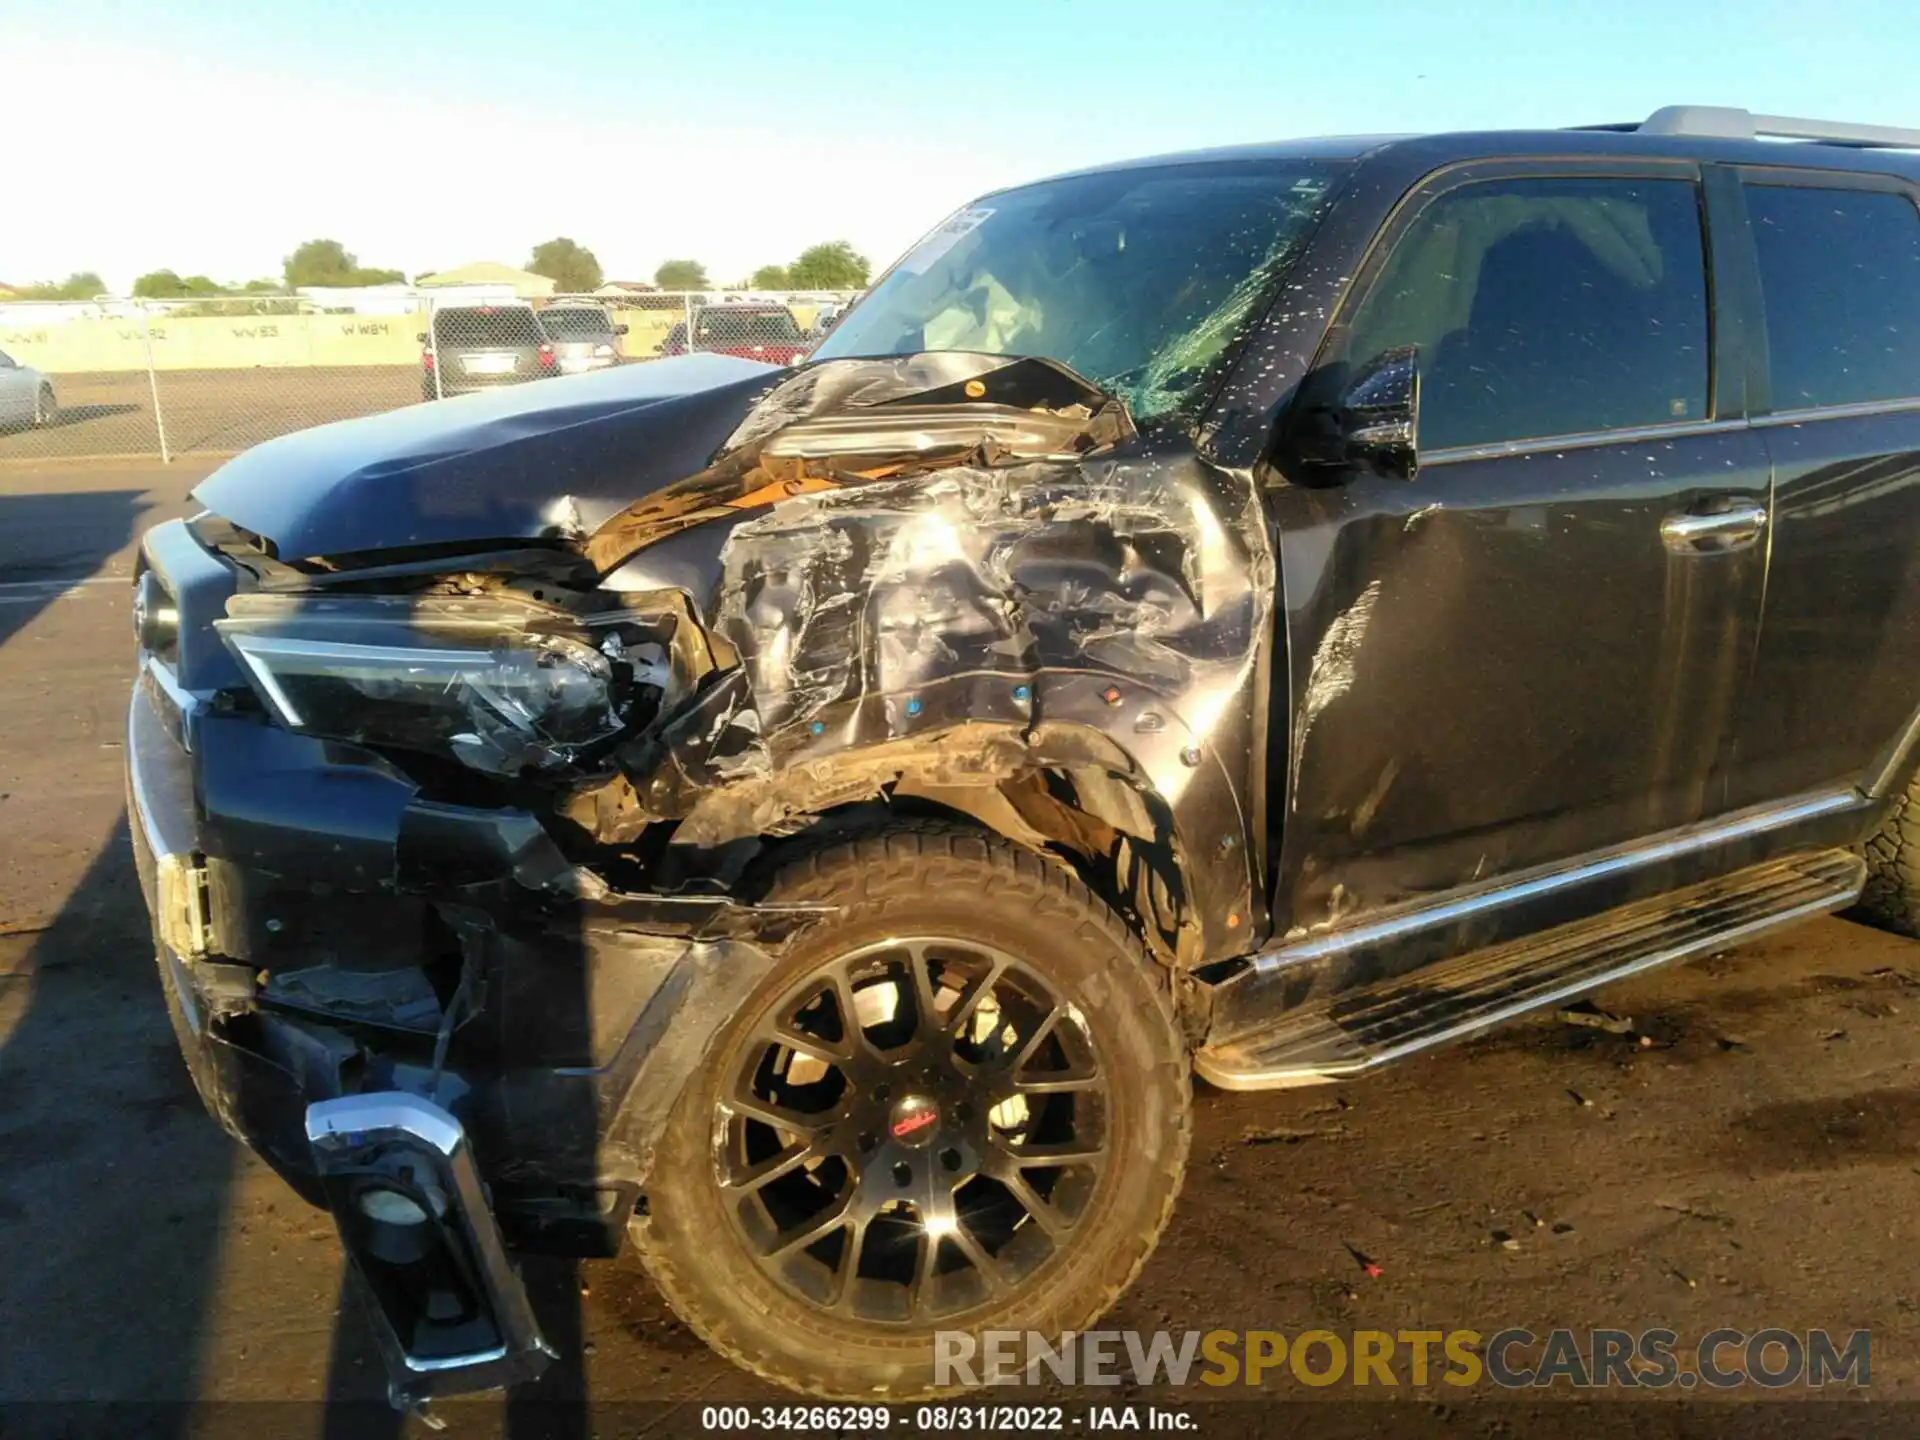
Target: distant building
point(492, 276)
point(627, 287)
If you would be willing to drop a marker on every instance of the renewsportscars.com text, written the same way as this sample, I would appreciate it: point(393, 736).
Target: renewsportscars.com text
point(1512, 1358)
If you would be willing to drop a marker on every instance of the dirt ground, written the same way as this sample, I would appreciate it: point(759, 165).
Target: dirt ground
point(1745, 1156)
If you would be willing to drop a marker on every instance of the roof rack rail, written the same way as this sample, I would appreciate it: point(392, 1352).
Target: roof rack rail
point(1721, 122)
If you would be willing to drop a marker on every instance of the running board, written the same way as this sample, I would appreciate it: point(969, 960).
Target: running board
point(1350, 1034)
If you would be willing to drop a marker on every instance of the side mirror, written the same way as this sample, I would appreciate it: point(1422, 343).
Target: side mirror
point(1375, 422)
point(619, 329)
point(1379, 416)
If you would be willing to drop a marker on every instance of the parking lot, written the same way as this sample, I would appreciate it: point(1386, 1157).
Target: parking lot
point(1743, 1153)
point(207, 411)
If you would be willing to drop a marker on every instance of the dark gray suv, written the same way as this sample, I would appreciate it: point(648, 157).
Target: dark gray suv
point(476, 347)
point(1262, 613)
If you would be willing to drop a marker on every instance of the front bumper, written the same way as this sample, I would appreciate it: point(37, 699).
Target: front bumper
point(325, 936)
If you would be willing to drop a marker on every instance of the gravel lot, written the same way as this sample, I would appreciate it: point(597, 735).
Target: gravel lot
point(1745, 1157)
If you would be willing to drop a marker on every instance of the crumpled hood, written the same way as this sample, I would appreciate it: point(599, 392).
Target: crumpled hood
point(551, 458)
point(620, 460)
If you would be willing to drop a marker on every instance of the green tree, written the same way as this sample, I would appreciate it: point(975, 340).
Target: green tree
point(328, 262)
point(80, 285)
point(681, 275)
point(771, 277)
point(159, 285)
point(569, 264)
point(833, 265)
point(165, 285)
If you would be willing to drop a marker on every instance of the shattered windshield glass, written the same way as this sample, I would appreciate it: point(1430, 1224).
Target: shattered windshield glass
point(1139, 279)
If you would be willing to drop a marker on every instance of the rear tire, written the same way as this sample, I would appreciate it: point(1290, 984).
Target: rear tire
point(1079, 1099)
point(1891, 899)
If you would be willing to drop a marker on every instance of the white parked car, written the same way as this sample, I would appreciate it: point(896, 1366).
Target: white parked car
point(26, 396)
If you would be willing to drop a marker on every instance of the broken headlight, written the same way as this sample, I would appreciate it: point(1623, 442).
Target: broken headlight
point(503, 686)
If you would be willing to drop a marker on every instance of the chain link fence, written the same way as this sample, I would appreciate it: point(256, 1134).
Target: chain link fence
point(213, 376)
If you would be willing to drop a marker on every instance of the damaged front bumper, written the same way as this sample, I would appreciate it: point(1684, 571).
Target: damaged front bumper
point(513, 1041)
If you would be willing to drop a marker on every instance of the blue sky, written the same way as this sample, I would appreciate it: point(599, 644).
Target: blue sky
point(213, 137)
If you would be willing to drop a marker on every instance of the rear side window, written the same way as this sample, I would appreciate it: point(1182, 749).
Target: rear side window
point(1544, 307)
point(1840, 277)
point(567, 324)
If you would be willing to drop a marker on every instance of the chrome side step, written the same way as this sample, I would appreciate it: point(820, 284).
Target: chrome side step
point(1347, 1035)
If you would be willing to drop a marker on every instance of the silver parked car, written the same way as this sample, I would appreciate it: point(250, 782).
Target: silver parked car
point(584, 337)
point(26, 395)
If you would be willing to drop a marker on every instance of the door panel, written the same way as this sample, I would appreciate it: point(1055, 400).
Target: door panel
point(1503, 664)
point(1537, 648)
point(1836, 261)
point(1837, 675)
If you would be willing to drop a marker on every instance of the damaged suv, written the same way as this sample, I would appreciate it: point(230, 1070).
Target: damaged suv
point(1264, 612)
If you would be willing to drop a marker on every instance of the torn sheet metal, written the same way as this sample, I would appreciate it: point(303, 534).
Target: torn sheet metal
point(974, 616)
point(852, 422)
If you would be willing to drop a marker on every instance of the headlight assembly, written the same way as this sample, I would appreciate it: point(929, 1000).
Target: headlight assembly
point(503, 686)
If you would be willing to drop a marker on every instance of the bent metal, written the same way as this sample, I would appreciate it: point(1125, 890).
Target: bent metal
point(1263, 613)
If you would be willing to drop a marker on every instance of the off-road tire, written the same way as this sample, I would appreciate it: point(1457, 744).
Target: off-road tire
point(931, 879)
point(1891, 899)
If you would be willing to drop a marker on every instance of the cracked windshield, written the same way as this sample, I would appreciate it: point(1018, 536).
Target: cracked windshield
point(1140, 280)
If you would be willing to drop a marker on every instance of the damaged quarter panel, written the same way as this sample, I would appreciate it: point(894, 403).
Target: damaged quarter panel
point(975, 569)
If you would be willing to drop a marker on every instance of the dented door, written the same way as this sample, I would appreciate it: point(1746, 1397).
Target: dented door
point(1535, 648)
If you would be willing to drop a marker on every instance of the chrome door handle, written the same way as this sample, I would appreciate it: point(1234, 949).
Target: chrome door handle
point(1714, 534)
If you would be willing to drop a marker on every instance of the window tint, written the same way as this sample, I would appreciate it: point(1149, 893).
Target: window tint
point(1547, 307)
point(1840, 275)
point(563, 323)
point(507, 327)
point(6, 360)
point(724, 326)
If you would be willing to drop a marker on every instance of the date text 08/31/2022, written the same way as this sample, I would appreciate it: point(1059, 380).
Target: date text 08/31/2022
point(990, 1419)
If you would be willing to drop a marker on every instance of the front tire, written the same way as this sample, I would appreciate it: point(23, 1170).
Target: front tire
point(961, 1104)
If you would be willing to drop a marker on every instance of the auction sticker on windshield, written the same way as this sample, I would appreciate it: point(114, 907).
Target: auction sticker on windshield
point(944, 237)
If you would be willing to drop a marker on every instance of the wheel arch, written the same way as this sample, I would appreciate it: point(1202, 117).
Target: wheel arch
point(1069, 793)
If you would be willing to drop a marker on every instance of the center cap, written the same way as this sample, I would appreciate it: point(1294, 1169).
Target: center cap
point(914, 1120)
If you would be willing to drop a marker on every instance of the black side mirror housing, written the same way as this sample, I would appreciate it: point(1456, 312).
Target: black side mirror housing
point(1375, 421)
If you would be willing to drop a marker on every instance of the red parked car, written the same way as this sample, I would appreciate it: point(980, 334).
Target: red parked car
point(754, 332)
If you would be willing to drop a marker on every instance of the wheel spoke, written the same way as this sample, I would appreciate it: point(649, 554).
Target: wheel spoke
point(770, 1169)
point(810, 1127)
point(849, 1279)
point(816, 1228)
point(926, 1021)
point(1031, 1045)
point(977, 1256)
point(827, 1052)
point(859, 1047)
point(1043, 1213)
point(1057, 1083)
point(924, 1278)
point(1048, 1156)
point(976, 990)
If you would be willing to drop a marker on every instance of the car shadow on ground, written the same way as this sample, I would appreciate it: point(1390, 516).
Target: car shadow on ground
point(113, 1183)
